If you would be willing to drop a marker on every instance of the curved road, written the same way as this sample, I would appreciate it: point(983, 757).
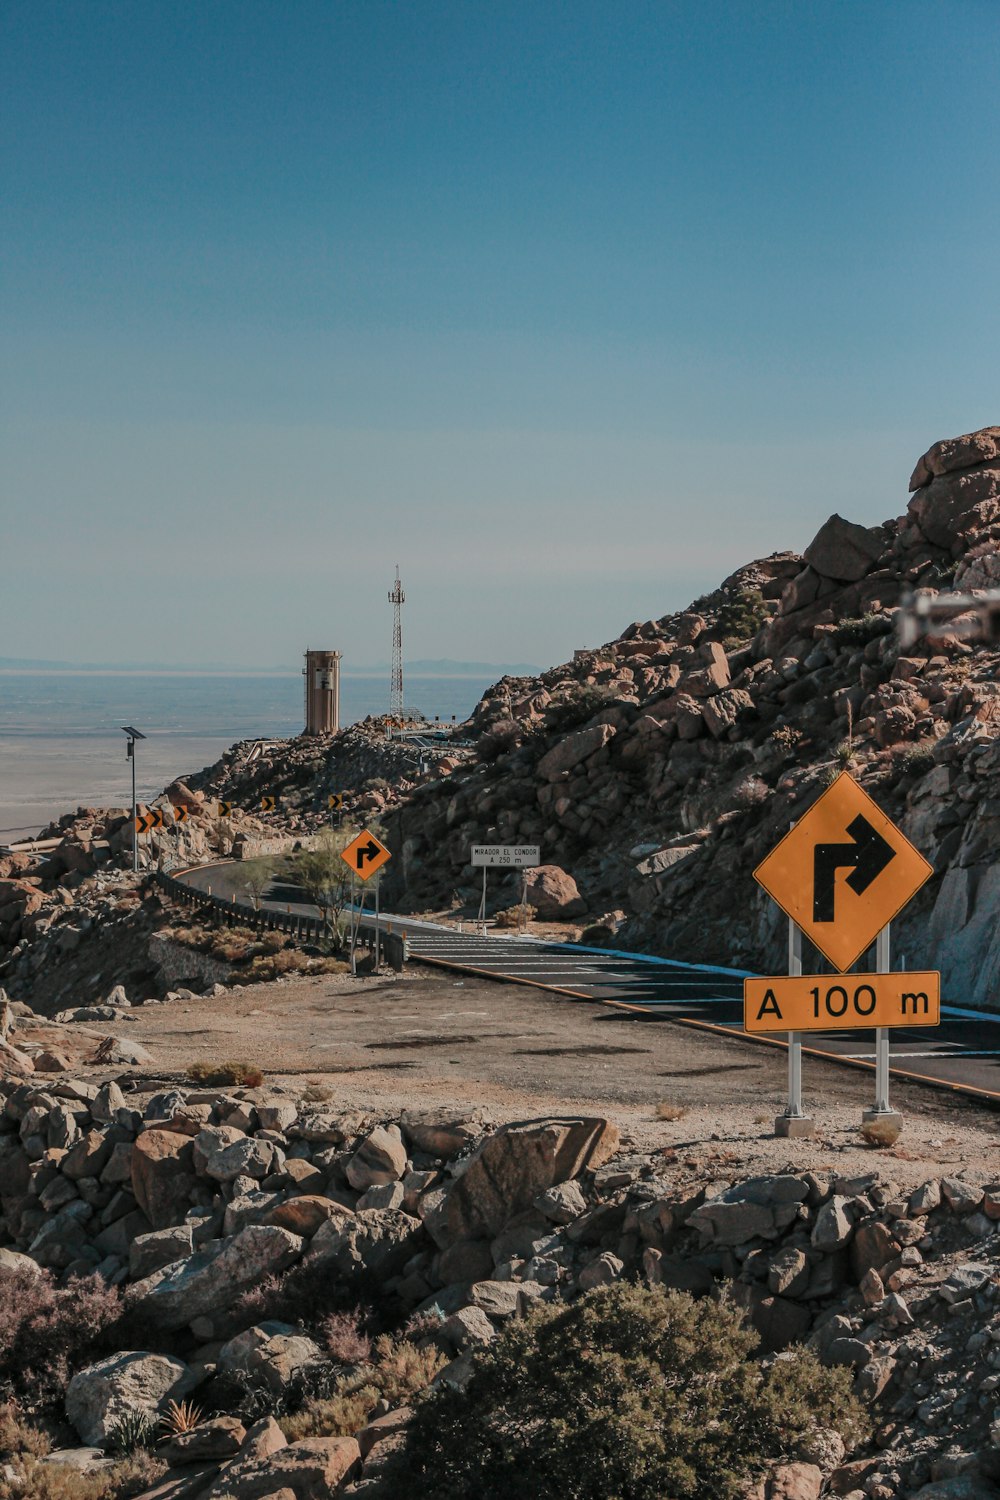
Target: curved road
point(963, 1053)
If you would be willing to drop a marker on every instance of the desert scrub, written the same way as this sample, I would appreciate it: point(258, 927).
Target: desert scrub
point(226, 1073)
point(47, 1333)
point(125, 1479)
point(19, 1437)
point(515, 916)
point(628, 1392)
point(860, 630)
point(752, 791)
point(741, 617)
point(399, 1371)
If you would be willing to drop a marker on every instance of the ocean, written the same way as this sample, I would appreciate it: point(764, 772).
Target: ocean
point(61, 745)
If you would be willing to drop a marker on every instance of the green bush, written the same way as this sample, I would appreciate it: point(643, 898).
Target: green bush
point(626, 1394)
point(741, 617)
point(862, 629)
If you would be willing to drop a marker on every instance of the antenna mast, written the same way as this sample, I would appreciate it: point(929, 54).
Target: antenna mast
point(396, 599)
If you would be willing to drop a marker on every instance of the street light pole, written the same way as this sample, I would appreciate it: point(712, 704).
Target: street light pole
point(133, 735)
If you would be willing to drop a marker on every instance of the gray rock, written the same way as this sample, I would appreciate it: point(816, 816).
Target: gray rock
point(273, 1352)
point(102, 1394)
point(468, 1328)
point(383, 1195)
point(961, 1197)
point(964, 1282)
point(211, 1280)
point(562, 1203)
point(378, 1241)
point(249, 1157)
point(442, 1132)
point(381, 1158)
point(148, 1252)
point(834, 1225)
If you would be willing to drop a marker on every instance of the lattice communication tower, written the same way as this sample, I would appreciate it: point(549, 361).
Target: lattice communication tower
point(396, 599)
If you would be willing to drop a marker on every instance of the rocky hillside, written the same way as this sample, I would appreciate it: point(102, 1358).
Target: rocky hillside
point(657, 770)
point(235, 1222)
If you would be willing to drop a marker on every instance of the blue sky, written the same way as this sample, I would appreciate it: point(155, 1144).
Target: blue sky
point(569, 308)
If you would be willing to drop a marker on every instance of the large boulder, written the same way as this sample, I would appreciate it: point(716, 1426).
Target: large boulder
point(958, 503)
point(956, 453)
point(163, 1177)
point(374, 1241)
point(210, 1281)
point(442, 1132)
point(99, 1396)
point(843, 550)
point(380, 1158)
point(553, 893)
point(313, 1469)
point(273, 1352)
point(513, 1166)
point(574, 750)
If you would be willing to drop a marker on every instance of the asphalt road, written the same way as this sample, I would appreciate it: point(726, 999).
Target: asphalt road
point(962, 1053)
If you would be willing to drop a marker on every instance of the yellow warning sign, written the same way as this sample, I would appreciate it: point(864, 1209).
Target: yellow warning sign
point(268, 804)
point(823, 1002)
point(365, 854)
point(843, 872)
point(225, 809)
point(335, 801)
point(180, 814)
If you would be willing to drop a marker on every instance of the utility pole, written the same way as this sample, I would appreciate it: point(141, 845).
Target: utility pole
point(133, 735)
point(396, 599)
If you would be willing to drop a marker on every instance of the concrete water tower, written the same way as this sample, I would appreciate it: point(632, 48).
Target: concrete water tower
point(322, 684)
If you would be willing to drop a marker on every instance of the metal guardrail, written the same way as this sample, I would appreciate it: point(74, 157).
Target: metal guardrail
point(392, 945)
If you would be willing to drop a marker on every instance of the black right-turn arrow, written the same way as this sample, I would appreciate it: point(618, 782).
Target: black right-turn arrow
point(371, 850)
point(867, 857)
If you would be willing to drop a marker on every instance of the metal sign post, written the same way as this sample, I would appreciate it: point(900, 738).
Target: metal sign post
point(794, 1123)
point(378, 882)
point(883, 1108)
point(503, 857)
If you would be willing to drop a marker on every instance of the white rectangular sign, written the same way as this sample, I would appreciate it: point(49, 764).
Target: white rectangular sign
point(508, 856)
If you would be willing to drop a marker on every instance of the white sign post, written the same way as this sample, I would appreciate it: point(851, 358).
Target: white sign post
point(502, 857)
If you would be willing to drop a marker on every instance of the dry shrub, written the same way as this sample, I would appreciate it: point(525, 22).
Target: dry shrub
point(399, 1372)
point(226, 1073)
point(882, 1132)
point(47, 1333)
point(513, 916)
point(665, 1111)
point(130, 1476)
point(18, 1436)
point(345, 1339)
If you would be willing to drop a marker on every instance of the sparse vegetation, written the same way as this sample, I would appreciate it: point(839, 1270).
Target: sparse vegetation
point(752, 791)
point(226, 1074)
point(882, 1132)
point(399, 1372)
point(787, 736)
point(255, 877)
point(40, 1481)
point(132, 1430)
point(628, 1392)
point(667, 1111)
point(741, 617)
point(325, 877)
point(862, 629)
point(516, 916)
point(47, 1332)
point(180, 1417)
point(345, 1339)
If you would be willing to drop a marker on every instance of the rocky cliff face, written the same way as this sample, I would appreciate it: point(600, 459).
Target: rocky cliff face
point(658, 769)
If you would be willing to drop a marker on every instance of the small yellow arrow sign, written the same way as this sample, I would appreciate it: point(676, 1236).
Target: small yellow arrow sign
point(268, 804)
point(335, 800)
point(225, 809)
point(180, 814)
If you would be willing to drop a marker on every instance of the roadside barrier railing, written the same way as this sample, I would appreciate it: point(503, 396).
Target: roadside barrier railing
point(301, 929)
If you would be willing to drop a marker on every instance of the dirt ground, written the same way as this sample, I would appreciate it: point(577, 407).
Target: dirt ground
point(427, 1038)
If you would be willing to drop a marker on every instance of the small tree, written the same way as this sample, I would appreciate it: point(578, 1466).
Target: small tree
point(256, 876)
point(325, 876)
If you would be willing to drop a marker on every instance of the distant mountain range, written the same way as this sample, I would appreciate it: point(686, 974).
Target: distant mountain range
point(422, 667)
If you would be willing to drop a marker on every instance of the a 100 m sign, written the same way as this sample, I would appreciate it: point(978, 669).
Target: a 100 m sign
point(841, 1002)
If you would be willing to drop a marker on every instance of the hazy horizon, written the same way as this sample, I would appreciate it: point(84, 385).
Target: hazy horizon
point(568, 310)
